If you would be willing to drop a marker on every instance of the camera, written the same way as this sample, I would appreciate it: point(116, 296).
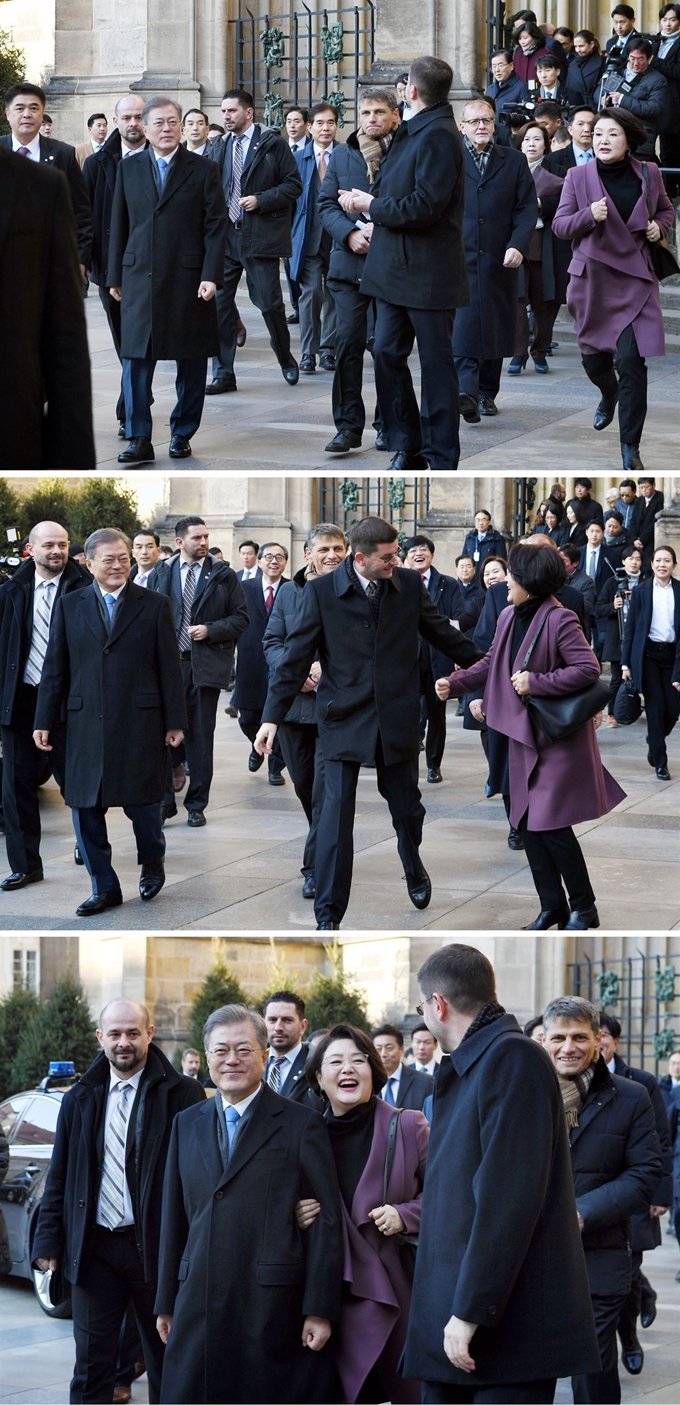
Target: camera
point(10, 558)
point(612, 78)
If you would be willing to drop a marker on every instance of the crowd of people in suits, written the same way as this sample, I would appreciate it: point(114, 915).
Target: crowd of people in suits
point(303, 1155)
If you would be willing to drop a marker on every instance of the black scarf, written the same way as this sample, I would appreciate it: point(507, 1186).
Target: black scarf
point(488, 1014)
point(622, 185)
point(524, 614)
point(351, 1138)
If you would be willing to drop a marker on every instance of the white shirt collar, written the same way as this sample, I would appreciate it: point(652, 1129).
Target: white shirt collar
point(429, 1067)
point(396, 1076)
point(53, 580)
point(244, 1103)
point(362, 579)
point(114, 1078)
point(267, 586)
point(32, 146)
point(165, 158)
point(130, 150)
point(321, 151)
point(114, 593)
point(96, 145)
point(290, 1056)
point(426, 578)
point(612, 1065)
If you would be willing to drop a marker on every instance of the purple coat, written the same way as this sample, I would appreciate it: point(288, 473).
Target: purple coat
point(601, 301)
point(560, 784)
point(377, 1294)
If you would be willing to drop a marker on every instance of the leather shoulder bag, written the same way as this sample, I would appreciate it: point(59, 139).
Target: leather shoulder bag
point(559, 717)
point(663, 260)
point(407, 1244)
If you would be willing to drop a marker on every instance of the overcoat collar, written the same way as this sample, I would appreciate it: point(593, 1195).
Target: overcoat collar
point(261, 1124)
point(180, 170)
point(133, 602)
point(343, 581)
point(470, 1050)
point(600, 1092)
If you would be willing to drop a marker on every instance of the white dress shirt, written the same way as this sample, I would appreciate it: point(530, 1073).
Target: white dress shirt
point(290, 1058)
point(184, 566)
point(246, 138)
point(662, 628)
point(243, 1105)
point(394, 1079)
point(267, 586)
point(426, 1068)
point(114, 1080)
point(126, 150)
point(362, 579)
point(114, 593)
point(38, 583)
point(249, 573)
point(160, 156)
point(33, 147)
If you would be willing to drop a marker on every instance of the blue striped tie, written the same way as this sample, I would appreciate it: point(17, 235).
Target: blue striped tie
point(113, 1171)
point(232, 1118)
point(162, 168)
point(41, 634)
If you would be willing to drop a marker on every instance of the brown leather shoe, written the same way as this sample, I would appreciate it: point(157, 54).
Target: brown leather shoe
point(241, 334)
point(121, 1395)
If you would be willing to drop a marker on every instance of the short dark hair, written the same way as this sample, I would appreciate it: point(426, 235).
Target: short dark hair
point(215, 127)
point(611, 1023)
point(581, 107)
point(198, 110)
point(503, 54)
point(641, 46)
point(47, 118)
point(556, 508)
point(669, 549)
point(531, 1025)
point(665, 9)
point(572, 551)
point(263, 548)
point(389, 1031)
point(628, 483)
point(644, 478)
point(423, 1029)
point(564, 29)
point(626, 10)
point(519, 138)
point(304, 113)
point(75, 549)
point(401, 78)
point(462, 974)
point(146, 532)
point(318, 107)
point(242, 95)
point(97, 117)
point(540, 570)
point(378, 94)
point(583, 483)
point(432, 77)
point(287, 997)
point(484, 511)
point(548, 108)
point(255, 545)
point(631, 126)
point(524, 15)
point(533, 30)
point(548, 61)
point(363, 1044)
point(25, 90)
point(618, 516)
point(216, 551)
point(417, 541)
point(182, 527)
point(464, 556)
point(369, 533)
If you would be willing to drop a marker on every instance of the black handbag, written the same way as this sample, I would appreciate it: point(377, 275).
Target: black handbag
point(559, 717)
point(663, 261)
point(627, 704)
point(407, 1244)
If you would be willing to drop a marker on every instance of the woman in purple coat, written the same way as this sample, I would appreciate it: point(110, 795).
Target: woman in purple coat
point(347, 1068)
point(613, 289)
point(551, 787)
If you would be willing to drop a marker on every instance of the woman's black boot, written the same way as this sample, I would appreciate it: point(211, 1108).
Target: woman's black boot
point(581, 921)
point(549, 917)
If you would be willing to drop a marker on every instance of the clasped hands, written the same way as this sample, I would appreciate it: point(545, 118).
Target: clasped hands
point(385, 1217)
point(355, 202)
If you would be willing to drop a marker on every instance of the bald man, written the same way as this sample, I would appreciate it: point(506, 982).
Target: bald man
point(100, 1214)
point(26, 608)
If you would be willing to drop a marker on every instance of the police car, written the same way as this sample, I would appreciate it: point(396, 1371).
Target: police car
point(29, 1121)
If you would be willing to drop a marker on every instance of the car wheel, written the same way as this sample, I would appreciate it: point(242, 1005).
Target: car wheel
point(41, 1283)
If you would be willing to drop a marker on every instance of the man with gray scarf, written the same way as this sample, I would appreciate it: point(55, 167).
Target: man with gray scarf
point(616, 1161)
point(354, 166)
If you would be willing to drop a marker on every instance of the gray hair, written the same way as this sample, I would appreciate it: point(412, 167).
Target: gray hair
point(386, 95)
point(572, 1007)
point(236, 1014)
point(104, 536)
point(473, 102)
point(323, 529)
point(152, 103)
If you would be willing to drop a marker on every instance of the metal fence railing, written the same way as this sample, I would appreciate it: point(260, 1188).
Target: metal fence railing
point(644, 994)
point(405, 502)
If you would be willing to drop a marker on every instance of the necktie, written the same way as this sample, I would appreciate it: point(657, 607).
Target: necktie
point(162, 168)
point(110, 602)
point(113, 1171)
point(235, 211)
point(592, 565)
point(373, 590)
point(323, 165)
point(274, 1078)
point(183, 637)
point(23, 151)
point(269, 599)
point(232, 1119)
point(141, 580)
point(389, 1093)
point(40, 636)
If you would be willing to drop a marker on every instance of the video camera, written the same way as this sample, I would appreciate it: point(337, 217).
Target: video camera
point(11, 560)
point(522, 112)
point(612, 78)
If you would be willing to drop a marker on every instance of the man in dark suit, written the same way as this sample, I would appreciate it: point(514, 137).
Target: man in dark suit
point(100, 171)
point(261, 1334)
point(43, 338)
point(284, 1016)
point(365, 620)
point(471, 590)
point(597, 564)
point(252, 676)
point(666, 60)
point(209, 613)
point(591, 509)
point(261, 183)
point(27, 602)
point(309, 262)
point(112, 665)
point(446, 593)
point(484, 540)
point(624, 30)
point(648, 504)
point(100, 1220)
point(415, 268)
point(248, 553)
point(580, 149)
point(195, 129)
point(24, 108)
point(166, 253)
point(405, 1087)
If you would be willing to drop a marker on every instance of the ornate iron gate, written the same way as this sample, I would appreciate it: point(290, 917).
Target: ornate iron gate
point(404, 502)
point(644, 994)
point(303, 57)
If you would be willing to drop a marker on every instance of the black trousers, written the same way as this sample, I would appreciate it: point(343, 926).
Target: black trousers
point(615, 681)
point(112, 310)
point(113, 1278)
point(529, 1392)
point(23, 772)
point(602, 1387)
point(662, 701)
point(250, 722)
point(398, 785)
point(301, 751)
point(630, 1311)
point(555, 856)
point(93, 841)
point(129, 1349)
point(632, 383)
point(432, 718)
point(479, 377)
point(264, 290)
point(434, 428)
point(544, 312)
point(352, 318)
point(199, 738)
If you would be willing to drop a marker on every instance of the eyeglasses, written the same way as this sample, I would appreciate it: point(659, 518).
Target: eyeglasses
point(270, 559)
point(479, 122)
point(240, 1051)
point(357, 1061)
point(420, 1009)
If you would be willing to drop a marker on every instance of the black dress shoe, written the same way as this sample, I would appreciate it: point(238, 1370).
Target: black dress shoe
point(328, 926)
point(469, 408)
point(21, 880)
point(419, 889)
point(121, 430)
point(99, 902)
point(515, 840)
point(276, 778)
point(291, 372)
point(180, 448)
point(241, 334)
point(77, 857)
point(343, 441)
point(255, 760)
point(309, 886)
point(663, 773)
point(138, 451)
point(293, 318)
point(630, 453)
point(582, 921)
point(307, 365)
point(548, 917)
point(650, 759)
point(434, 775)
point(648, 1312)
point(409, 463)
point(327, 361)
point(151, 881)
point(605, 411)
point(221, 387)
point(168, 812)
point(633, 1357)
point(381, 443)
point(487, 406)
point(196, 819)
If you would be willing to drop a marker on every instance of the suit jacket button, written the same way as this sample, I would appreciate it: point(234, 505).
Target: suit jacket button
point(106, 651)
point(492, 1311)
point(366, 624)
point(481, 221)
point(219, 1194)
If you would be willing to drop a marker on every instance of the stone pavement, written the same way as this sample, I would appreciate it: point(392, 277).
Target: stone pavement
point(544, 424)
point(242, 872)
point(37, 1352)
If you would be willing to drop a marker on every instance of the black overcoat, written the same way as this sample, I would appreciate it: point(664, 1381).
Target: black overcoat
point(370, 680)
point(59, 156)
point(99, 173)
point(162, 247)
point(66, 1225)
point(448, 597)
point(638, 626)
point(498, 1215)
point(414, 1088)
point(646, 1228)
point(271, 173)
point(501, 210)
point(347, 171)
point(284, 613)
point(44, 357)
point(417, 256)
point(616, 1159)
point(219, 603)
point(122, 692)
point(252, 674)
point(669, 120)
point(236, 1274)
point(16, 626)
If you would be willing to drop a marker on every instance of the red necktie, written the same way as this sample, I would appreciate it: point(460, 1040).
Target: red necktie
point(269, 598)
